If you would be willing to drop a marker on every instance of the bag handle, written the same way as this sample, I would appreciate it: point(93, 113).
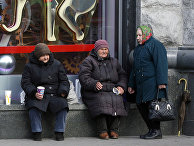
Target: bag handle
point(166, 96)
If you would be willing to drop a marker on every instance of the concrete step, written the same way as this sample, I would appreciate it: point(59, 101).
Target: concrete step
point(15, 124)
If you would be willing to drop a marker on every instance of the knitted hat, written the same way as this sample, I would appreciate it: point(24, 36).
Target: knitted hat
point(41, 49)
point(100, 44)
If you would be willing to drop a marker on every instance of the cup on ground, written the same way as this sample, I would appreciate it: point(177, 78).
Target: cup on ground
point(8, 97)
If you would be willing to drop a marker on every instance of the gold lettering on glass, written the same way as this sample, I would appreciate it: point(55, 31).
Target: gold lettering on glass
point(19, 5)
point(50, 20)
point(68, 11)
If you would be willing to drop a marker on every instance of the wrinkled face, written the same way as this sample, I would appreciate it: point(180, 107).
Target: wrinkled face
point(44, 58)
point(103, 52)
point(139, 36)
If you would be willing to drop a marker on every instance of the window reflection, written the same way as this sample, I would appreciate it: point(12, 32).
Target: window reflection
point(79, 23)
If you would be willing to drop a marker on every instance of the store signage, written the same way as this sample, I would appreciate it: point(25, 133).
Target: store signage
point(63, 10)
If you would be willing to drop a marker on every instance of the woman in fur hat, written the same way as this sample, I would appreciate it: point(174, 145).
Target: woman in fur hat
point(99, 74)
point(44, 70)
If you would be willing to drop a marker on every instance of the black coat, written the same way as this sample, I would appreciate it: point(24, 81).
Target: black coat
point(110, 73)
point(50, 75)
point(150, 69)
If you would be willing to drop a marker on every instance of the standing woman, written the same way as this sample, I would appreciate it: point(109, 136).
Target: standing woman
point(149, 72)
point(44, 70)
point(99, 74)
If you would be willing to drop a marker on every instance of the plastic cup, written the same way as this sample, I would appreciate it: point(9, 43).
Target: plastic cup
point(22, 98)
point(40, 90)
point(8, 97)
point(116, 91)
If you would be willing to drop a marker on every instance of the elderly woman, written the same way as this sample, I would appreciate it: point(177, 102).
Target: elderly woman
point(149, 73)
point(44, 70)
point(99, 74)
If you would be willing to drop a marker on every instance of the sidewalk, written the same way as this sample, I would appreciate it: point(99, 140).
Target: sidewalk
point(93, 141)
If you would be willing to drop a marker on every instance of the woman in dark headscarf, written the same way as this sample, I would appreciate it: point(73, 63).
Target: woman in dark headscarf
point(149, 72)
point(99, 74)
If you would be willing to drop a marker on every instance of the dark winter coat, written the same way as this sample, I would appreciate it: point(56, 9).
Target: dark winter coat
point(150, 69)
point(110, 73)
point(50, 75)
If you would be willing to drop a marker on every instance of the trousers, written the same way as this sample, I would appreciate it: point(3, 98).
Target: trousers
point(144, 111)
point(107, 123)
point(35, 116)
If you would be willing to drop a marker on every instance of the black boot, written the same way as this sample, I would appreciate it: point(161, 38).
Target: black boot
point(37, 136)
point(143, 136)
point(59, 136)
point(154, 134)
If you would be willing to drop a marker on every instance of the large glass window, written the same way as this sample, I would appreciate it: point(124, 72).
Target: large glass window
point(67, 26)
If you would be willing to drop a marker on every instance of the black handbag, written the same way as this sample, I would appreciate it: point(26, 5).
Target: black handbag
point(161, 110)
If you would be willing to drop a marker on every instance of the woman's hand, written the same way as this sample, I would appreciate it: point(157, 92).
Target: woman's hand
point(98, 86)
point(121, 91)
point(63, 95)
point(161, 86)
point(39, 96)
point(131, 90)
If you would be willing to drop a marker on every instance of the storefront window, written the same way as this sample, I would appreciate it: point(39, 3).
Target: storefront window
point(69, 27)
point(59, 23)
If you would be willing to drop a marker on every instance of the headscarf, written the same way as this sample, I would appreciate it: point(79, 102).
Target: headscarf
point(146, 33)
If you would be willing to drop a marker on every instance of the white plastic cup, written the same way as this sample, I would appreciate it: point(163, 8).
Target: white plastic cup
point(8, 97)
point(116, 91)
point(22, 98)
point(40, 90)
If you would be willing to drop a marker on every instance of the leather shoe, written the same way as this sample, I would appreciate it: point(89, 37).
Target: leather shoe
point(104, 135)
point(143, 136)
point(154, 134)
point(114, 135)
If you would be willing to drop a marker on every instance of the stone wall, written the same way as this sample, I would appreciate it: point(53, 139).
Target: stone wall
point(166, 19)
point(188, 25)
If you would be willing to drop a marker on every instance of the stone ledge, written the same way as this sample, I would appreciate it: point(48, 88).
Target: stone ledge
point(15, 124)
point(18, 107)
point(73, 107)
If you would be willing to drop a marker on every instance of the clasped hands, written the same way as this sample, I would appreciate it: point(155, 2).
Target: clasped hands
point(99, 87)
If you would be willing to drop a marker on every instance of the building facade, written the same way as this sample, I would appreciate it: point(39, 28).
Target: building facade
point(70, 28)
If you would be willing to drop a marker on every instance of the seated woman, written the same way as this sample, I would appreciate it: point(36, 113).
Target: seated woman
point(99, 74)
point(44, 70)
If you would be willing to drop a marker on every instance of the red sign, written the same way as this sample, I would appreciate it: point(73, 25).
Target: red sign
point(53, 48)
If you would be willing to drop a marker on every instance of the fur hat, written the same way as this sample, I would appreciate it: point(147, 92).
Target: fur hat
point(100, 44)
point(41, 49)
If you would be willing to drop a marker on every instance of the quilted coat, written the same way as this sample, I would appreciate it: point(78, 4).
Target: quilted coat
point(110, 73)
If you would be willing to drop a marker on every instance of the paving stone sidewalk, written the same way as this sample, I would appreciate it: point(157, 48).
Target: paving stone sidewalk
point(93, 141)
